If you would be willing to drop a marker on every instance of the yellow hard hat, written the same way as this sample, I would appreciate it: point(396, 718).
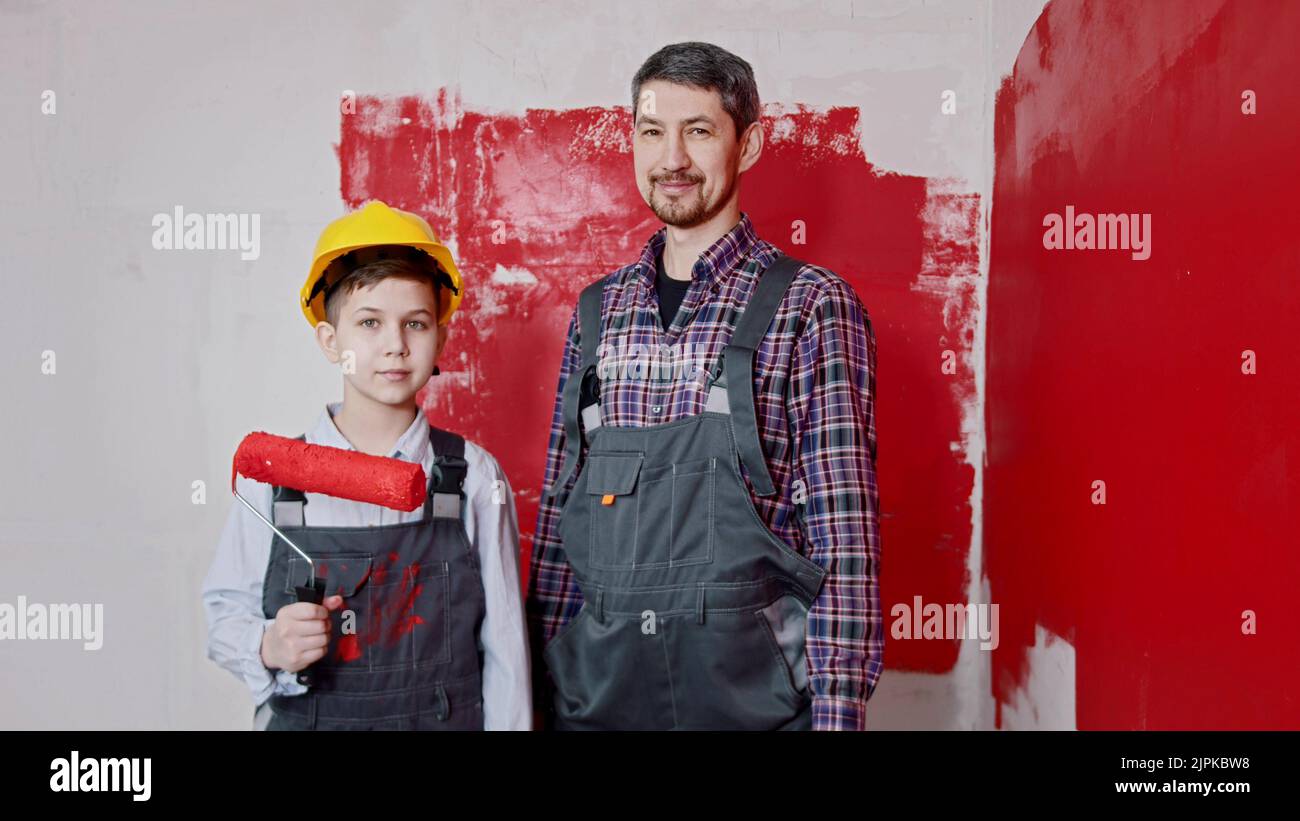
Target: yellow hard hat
point(374, 224)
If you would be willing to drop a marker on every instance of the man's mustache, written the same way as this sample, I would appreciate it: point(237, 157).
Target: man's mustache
point(673, 180)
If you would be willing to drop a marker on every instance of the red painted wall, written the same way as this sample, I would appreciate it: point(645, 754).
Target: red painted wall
point(560, 184)
point(1102, 367)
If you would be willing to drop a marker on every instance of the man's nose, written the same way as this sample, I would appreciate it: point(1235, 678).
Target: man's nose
point(676, 157)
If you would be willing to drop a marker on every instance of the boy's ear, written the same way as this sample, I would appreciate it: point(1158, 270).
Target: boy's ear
point(443, 332)
point(327, 338)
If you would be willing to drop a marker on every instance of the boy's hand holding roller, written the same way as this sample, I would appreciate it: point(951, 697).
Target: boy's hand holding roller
point(299, 636)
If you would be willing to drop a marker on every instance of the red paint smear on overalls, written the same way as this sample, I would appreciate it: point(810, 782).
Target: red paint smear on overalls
point(370, 624)
point(349, 648)
point(352, 585)
point(1102, 367)
point(540, 204)
point(349, 645)
point(402, 617)
point(391, 615)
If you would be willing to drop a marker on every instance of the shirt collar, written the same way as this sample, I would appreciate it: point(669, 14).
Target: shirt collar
point(411, 446)
point(716, 261)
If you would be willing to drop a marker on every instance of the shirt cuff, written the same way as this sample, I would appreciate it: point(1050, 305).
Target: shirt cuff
point(260, 680)
point(836, 713)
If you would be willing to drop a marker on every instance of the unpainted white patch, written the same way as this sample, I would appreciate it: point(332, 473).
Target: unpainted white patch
point(513, 275)
point(1047, 699)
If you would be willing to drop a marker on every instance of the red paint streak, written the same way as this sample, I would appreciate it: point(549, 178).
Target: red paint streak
point(349, 648)
point(402, 616)
point(351, 586)
point(407, 623)
point(552, 193)
point(1106, 368)
point(391, 615)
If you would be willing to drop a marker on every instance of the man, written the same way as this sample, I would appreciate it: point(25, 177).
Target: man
point(706, 554)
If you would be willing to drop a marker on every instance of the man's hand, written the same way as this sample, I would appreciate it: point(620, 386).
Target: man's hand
point(299, 636)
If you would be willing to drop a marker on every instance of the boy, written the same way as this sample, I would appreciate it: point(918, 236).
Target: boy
point(422, 625)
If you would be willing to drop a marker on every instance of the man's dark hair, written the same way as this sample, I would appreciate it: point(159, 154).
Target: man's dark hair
point(706, 66)
point(418, 266)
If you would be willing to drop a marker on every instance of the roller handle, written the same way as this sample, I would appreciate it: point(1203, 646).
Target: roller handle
point(315, 595)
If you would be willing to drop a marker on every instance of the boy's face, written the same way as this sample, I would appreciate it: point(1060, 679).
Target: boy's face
point(387, 339)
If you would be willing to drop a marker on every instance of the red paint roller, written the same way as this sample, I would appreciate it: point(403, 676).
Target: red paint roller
point(344, 474)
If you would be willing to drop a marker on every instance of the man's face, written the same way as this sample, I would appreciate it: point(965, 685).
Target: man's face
point(390, 329)
point(686, 153)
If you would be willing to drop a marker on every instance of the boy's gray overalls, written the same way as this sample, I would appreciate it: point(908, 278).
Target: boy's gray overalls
point(694, 612)
point(415, 588)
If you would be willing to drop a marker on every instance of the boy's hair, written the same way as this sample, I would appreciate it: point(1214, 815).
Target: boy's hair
point(417, 266)
point(706, 66)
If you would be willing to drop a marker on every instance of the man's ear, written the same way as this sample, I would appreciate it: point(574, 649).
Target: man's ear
point(327, 338)
point(751, 146)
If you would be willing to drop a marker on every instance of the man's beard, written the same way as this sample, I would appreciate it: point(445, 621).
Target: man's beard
point(681, 214)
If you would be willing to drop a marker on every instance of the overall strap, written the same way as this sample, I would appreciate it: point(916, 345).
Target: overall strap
point(447, 482)
point(732, 390)
point(578, 410)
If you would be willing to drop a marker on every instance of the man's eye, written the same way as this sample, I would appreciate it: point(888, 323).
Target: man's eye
point(650, 132)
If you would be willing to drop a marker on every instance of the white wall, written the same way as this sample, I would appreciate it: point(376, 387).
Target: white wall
point(165, 359)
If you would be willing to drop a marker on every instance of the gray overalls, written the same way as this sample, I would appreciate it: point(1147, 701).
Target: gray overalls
point(413, 661)
point(694, 612)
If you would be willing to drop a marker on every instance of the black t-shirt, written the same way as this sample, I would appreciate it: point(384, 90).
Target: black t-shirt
point(671, 292)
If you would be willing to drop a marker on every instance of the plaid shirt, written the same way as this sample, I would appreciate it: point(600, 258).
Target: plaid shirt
point(814, 385)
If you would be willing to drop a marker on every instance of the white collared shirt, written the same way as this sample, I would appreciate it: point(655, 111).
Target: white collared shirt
point(232, 590)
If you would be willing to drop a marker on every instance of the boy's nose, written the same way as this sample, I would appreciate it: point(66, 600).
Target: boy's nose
point(395, 345)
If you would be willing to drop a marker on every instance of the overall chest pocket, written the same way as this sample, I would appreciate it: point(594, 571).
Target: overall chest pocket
point(645, 518)
point(347, 575)
point(344, 574)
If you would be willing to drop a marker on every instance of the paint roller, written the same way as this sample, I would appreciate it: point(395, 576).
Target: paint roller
point(344, 474)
